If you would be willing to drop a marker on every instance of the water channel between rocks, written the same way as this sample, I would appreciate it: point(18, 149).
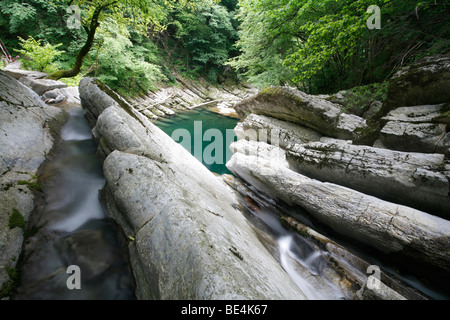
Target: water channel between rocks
point(74, 229)
point(300, 260)
point(303, 261)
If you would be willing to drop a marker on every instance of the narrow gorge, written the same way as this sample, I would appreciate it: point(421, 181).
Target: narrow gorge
point(310, 199)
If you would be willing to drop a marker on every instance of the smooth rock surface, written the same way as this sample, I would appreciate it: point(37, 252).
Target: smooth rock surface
point(14, 70)
point(273, 131)
point(417, 114)
point(18, 94)
point(190, 241)
point(40, 86)
point(93, 99)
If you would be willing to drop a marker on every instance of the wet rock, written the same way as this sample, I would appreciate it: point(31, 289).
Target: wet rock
point(102, 276)
point(189, 240)
point(351, 267)
point(379, 292)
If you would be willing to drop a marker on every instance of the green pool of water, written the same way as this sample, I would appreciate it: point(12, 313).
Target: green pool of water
point(207, 135)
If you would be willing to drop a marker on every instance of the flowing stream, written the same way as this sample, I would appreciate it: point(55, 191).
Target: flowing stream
point(304, 262)
point(73, 228)
point(301, 261)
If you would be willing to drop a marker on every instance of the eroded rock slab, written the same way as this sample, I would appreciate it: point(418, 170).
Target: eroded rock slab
point(26, 125)
point(292, 105)
point(273, 131)
point(424, 82)
point(189, 240)
point(389, 227)
point(417, 129)
point(414, 179)
point(40, 86)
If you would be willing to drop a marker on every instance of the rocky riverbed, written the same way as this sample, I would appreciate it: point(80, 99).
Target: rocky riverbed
point(382, 181)
point(377, 180)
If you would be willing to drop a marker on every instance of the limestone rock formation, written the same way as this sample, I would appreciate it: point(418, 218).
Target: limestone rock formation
point(391, 194)
point(41, 86)
point(26, 128)
point(289, 104)
point(417, 129)
point(286, 134)
point(389, 227)
point(414, 179)
point(188, 239)
point(425, 82)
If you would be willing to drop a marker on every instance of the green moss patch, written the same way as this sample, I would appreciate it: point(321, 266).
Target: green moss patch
point(10, 286)
point(32, 185)
point(16, 220)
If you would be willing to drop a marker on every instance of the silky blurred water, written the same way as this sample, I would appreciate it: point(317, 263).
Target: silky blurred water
point(304, 263)
point(74, 229)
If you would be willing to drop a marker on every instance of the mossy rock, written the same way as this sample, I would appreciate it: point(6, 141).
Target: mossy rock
point(10, 286)
point(368, 136)
point(16, 220)
point(445, 114)
point(32, 185)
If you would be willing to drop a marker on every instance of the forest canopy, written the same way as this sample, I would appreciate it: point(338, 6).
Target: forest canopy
point(324, 46)
point(318, 46)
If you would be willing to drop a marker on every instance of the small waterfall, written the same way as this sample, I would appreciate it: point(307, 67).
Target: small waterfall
point(301, 260)
point(287, 259)
point(306, 272)
point(73, 227)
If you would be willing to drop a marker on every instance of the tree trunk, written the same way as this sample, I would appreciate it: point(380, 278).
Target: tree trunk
point(83, 51)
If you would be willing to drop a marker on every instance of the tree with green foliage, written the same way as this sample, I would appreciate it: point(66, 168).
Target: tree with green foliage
point(123, 66)
point(41, 19)
point(136, 13)
point(194, 38)
point(199, 39)
point(325, 46)
point(207, 35)
point(37, 56)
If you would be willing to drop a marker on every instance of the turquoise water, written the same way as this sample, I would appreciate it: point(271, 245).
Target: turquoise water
point(207, 135)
